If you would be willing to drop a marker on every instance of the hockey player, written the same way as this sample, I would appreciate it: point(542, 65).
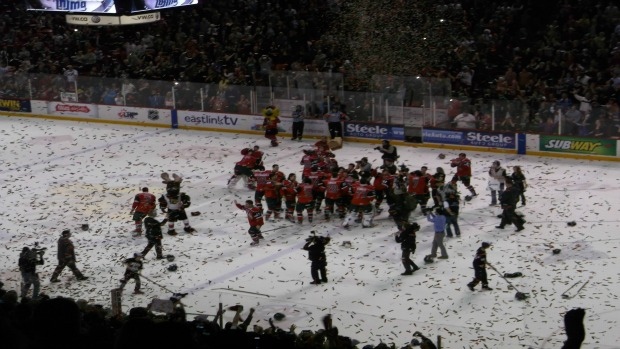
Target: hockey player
point(153, 235)
point(438, 180)
point(419, 187)
point(334, 188)
point(480, 263)
point(271, 189)
point(362, 197)
point(258, 155)
point(305, 200)
point(322, 145)
point(309, 159)
point(174, 204)
point(260, 179)
point(463, 173)
point(270, 123)
point(289, 192)
point(383, 184)
point(255, 218)
point(132, 271)
point(243, 169)
point(143, 203)
point(317, 175)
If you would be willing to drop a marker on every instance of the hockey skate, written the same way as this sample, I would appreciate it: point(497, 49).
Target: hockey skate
point(189, 229)
point(172, 232)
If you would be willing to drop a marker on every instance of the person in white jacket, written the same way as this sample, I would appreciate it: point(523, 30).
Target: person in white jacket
point(465, 120)
point(497, 181)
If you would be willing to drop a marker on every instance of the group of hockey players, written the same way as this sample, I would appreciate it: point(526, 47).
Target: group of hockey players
point(356, 193)
point(173, 203)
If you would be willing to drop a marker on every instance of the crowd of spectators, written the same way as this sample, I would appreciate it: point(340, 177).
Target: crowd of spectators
point(533, 59)
point(49, 323)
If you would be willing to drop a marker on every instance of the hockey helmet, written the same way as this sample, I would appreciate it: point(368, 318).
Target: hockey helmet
point(278, 316)
point(169, 258)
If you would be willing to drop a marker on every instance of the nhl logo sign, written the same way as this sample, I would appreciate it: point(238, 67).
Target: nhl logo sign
point(153, 115)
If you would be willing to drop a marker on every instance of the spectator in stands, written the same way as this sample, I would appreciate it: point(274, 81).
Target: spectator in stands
point(465, 120)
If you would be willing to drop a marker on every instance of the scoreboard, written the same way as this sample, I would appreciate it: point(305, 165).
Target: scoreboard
point(105, 6)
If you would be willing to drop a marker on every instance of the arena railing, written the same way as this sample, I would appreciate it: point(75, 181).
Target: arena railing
point(393, 100)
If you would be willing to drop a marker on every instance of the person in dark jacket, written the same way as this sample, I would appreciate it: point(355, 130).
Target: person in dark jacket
point(132, 271)
point(28, 261)
point(66, 257)
point(519, 182)
point(153, 235)
point(408, 245)
point(315, 245)
point(509, 199)
point(480, 268)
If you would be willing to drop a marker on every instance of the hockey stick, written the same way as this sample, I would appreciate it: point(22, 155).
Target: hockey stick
point(274, 229)
point(151, 280)
point(565, 294)
point(519, 295)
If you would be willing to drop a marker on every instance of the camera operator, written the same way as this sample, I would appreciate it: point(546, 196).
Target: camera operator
point(28, 261)
point(363, 167)
point(390, 155)
point(315, 245)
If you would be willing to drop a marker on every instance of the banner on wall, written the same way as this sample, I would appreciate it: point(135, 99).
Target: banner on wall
point(13, 104)
point(374, 131)
point(237, 122)
point(577, 145)
point(125, 113)
point(72, 109)
point(470, 138)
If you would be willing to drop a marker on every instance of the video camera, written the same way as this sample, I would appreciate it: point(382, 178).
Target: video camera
point(177, 297)
point(317, 238)
point(38, 249)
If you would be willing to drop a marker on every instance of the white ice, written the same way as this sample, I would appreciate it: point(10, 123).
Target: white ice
point(58, 175)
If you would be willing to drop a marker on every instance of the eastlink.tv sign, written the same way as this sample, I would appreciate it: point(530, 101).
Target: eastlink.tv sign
point(472, 138)
point(374, 131)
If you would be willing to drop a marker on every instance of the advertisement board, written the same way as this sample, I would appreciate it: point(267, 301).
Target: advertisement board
point(374, 131)
point(150, 5)
point(16, 105)
point(470, 138)
point(577, 145)
point(72, 109)
point(237, 122)
point(82, 6)
point(134, 114)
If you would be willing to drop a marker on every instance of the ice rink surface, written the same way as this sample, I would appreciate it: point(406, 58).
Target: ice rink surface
point(58, 175)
